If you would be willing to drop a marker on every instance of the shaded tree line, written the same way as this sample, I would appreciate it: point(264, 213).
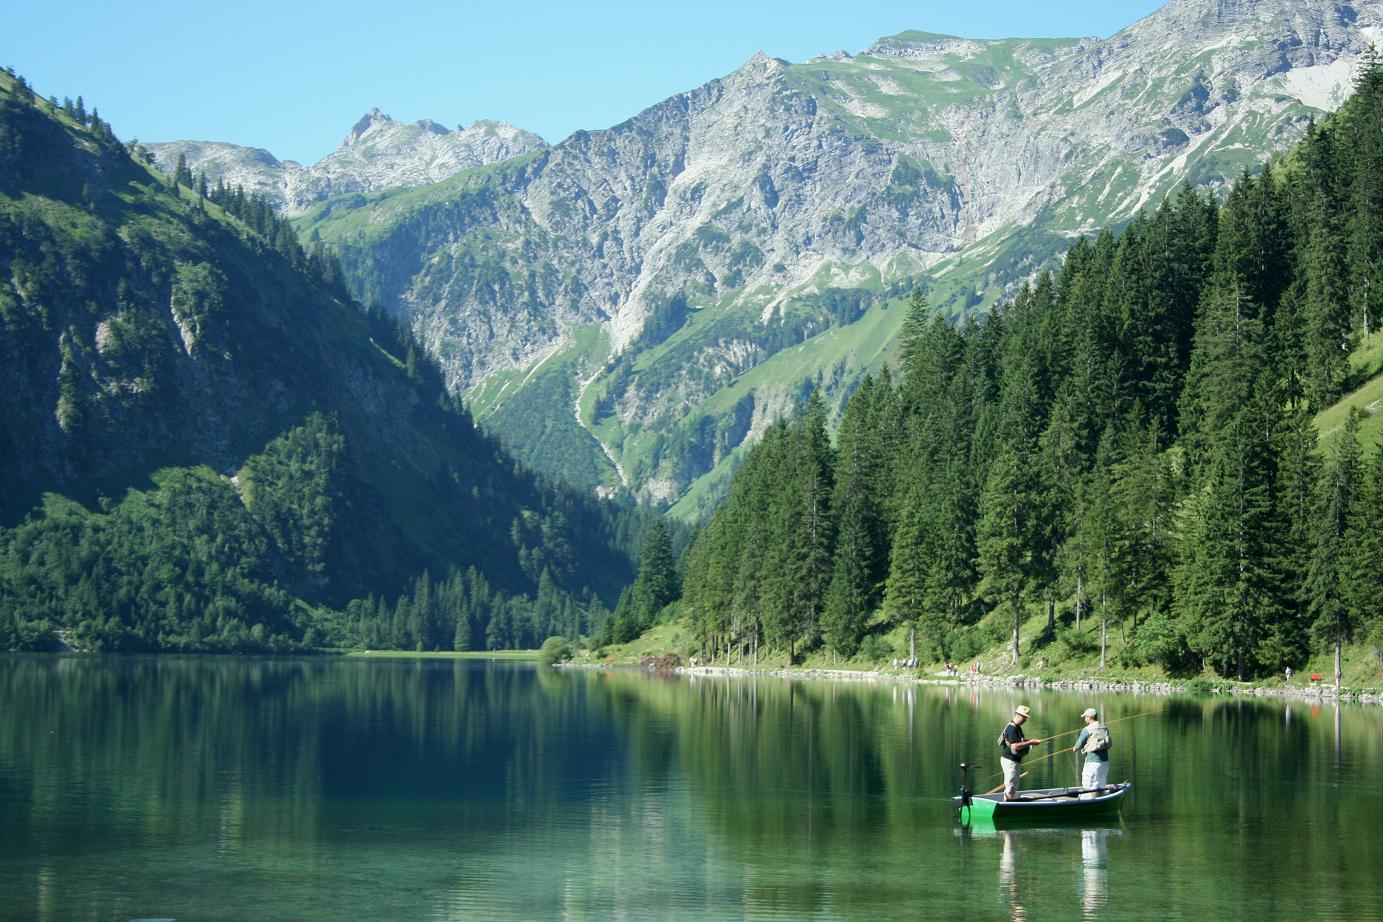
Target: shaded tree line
point(465, 612)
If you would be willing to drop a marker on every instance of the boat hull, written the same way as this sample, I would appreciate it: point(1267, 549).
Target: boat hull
point(1047, 805)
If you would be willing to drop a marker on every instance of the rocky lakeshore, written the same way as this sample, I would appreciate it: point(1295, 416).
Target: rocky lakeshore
point(1312, 691)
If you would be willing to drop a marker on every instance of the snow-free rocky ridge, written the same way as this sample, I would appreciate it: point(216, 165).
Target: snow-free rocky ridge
point(706, 263)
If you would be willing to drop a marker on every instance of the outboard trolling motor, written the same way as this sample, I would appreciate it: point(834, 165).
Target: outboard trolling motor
point(965, 793)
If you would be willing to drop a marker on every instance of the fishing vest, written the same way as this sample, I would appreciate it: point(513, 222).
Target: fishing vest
point(1098, 740)
point(1004, 745)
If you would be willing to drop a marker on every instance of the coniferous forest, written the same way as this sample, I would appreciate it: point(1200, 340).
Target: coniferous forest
point(206, 445)
point(1128, 446)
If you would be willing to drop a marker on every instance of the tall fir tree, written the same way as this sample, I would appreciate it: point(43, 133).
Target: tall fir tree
point(1228, 587)
point(1328, 595)
point(1005, 538)
point(860, 541)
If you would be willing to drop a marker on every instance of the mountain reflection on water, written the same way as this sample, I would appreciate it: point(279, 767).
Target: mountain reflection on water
point(327, 788)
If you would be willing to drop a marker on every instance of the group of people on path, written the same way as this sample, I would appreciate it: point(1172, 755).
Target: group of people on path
point(1093, 741)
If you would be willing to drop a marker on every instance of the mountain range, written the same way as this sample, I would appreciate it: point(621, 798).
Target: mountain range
point(631, 307)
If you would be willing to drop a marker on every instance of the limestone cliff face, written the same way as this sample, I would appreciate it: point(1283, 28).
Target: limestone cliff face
point(735, 245)
point(377, 154)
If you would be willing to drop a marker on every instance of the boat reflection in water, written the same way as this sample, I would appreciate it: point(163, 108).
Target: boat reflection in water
point(1041, 847)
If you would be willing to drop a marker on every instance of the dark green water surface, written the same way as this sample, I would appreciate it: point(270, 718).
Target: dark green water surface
point(189, 789)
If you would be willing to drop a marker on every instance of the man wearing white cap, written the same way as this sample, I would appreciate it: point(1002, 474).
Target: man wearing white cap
point(1014, 746)
point(1094, 742)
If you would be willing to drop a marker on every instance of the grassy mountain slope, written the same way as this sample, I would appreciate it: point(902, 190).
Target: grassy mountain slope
point(1366, 394)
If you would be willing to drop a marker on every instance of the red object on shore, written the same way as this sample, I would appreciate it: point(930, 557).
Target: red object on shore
point(1315, 677)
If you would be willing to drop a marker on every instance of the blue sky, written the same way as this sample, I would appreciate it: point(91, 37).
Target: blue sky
point(293, 77)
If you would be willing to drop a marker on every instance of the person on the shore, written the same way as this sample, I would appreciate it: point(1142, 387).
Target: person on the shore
point(1014, 746)
point(1094, 742)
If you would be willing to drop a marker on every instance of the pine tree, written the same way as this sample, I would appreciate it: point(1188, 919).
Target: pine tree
point(1177, 250)
point(1327, 592)
point(1226, 360)
point(657, 584)
point(1228, 591)
point(949, 574)
point(709, 582)
point(1298, 474)
point(1004, 537)
point(1364, 228)
point(1322, 302)
point(1098, 539)
point(905, 594)
point(1143, 494)
point(915, 325)
point(1253, 244)
point(182, 176)
point(799, 565)
point(856, 575)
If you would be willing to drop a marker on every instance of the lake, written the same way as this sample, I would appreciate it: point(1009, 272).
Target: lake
point(233, 788)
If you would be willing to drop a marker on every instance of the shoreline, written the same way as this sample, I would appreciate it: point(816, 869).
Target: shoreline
point(1312, 692)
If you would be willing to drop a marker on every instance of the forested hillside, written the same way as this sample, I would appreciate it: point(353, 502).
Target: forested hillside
point(205, 445)
point(1128, 447)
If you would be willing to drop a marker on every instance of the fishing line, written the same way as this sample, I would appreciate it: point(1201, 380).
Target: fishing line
point(1058, 736)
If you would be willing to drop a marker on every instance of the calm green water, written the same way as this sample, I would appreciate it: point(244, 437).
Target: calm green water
point(320, 789)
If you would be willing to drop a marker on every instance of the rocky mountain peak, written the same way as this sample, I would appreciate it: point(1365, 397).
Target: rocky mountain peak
point(378, 153)
point(368, 121)
point(762, 64)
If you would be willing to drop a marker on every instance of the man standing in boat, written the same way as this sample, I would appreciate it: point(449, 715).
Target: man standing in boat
point(1094, 742)
point(1014, 746)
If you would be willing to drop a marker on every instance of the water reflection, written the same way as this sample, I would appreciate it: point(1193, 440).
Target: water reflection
point(1094, 859)
point(1008, 876)
point(435, 789)
point(1029, 858)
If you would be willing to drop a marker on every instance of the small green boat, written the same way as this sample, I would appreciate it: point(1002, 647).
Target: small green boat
point(1044, 805)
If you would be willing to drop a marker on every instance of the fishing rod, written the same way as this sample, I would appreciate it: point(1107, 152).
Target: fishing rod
point(1047, 739)
point(1001, 787)
point(1058, 752)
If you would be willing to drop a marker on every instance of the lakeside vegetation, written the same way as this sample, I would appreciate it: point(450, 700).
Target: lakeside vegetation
point(1120, 468)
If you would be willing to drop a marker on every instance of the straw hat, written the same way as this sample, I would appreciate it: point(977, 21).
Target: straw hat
point(1021, 711)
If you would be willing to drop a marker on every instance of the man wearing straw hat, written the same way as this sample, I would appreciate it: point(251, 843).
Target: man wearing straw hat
point(1014, 746)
